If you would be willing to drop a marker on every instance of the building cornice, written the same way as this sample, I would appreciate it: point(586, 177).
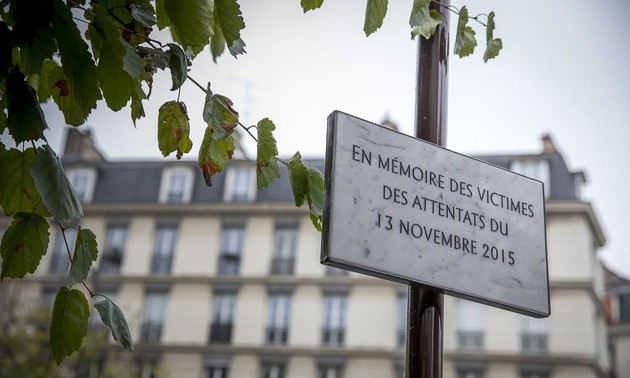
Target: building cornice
point(192, 209)
point(578, 208)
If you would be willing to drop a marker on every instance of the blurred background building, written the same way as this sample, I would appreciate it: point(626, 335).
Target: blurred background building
point(225, 281)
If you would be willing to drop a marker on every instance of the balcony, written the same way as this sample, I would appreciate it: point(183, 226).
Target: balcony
point(220, 333)
point(470, 340)
point(282, 266)
point(229, 264)
point(277, 335)
point(332, 336)
point(151, 332)
point(534, 343)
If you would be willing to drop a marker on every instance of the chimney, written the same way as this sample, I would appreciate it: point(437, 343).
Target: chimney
point(548, 146)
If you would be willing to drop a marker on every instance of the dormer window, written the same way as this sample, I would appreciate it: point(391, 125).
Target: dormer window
point(240, 184)
point(83, 181)
point(176, 185)
point(535, 168)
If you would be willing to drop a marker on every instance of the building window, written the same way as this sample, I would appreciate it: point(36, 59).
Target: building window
point(216, 367)
point(534, 335)
point(334, 319)
point(535, 168)
point(60, 262)
point(222, 317)
point(272, 369)
point(164, 249)
point(83, 181)
point(535, 371)
point(332, 271)
point(231, 248)
point(283, 260)
point(278, 318)
point(469, 373)
point(115, 239)
point(470, 325)
point(176, 185)
point(402, 321)
point(240, 184)
point(154, 315)
point(147, 366)
point(330, 371)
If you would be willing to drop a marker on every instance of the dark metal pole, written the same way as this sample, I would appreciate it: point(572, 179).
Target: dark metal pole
point(425, 312)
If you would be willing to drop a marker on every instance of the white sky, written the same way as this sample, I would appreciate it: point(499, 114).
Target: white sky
point(564, 70)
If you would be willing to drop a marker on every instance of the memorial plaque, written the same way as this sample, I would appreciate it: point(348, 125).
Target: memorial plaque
point(407, 210)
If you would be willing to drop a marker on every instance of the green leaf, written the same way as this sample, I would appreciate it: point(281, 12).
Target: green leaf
point(160, 13)
point(219, 114)
point(173, 129)
point(85, 252)
point(17, 192)
point(231, 22)
point(33, 34)
point(493, 45)
point(307, 183)
point(315, 196)
point(465, 41)
point(423, 21)
point(117, 92)
point(374, 15)
point(137, 95)
point(5, 51)
point(23, 244)
point(144, 14)
point(53, 186)
point(308, 5)
point(178, 63)
point(191, 22)
point(25, 119)
point(214, 154)
point(267, 170)
point(114, 318)
point(53, 81)
point(77, 63)
point(69, 323)
point(217, 41)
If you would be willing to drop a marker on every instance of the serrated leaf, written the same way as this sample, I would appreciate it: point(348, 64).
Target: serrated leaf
point(76, 61)
point(308, 5)
point(219, 114)
point(214, 154)
point(173, 129)
point(85, 253)
point(56, 84)
point(267, 170)
point(69, 323)
point(315, 196)
point(217, 41)
point(33, 34)
point(53, 185)
point(493, 45)
point(374, 15)
point(113, 317)
point(307, 183)
point(178, 63)
point(423, 20)
point(25, 118)
point(191, 22)
point(237, 48)
point(17, 192)
point(137, 95)
point(298, 178)
point(24, 243)
point(231, 22)
point(117, 92)
point(465, 41)
point(161, 16)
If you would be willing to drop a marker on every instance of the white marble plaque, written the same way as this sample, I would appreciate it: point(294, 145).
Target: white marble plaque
point(407, 210)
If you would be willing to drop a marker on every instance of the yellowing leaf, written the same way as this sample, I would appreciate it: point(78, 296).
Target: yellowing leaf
point(173, 129)
point(18, 193)
point(23, 244)
point(374, 15)
point(69, 323)
point(219, 114)
point(214, 154)
point(465, 41)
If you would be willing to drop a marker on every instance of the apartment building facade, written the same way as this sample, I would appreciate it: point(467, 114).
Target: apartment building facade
point(225, 281)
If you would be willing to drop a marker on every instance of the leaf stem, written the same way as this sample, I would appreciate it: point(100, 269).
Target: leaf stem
point(456, 10)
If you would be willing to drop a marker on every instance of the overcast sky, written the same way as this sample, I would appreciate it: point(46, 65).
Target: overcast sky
point(563, 71)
